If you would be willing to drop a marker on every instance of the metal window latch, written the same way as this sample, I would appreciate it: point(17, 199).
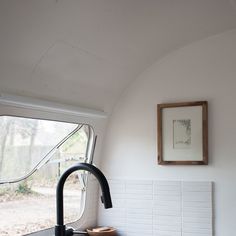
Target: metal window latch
point(81, 181)
point(78, 232)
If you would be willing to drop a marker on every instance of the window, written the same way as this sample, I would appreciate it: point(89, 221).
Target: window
point(33, 154)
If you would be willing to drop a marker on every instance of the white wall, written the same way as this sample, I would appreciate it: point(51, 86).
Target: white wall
point(205, 70)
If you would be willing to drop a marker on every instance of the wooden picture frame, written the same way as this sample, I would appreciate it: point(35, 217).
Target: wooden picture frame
point(183, 133)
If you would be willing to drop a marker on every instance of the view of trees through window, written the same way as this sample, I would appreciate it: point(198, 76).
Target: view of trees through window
point(29, 205)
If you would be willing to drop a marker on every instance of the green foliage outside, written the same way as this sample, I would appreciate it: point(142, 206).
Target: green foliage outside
point(23, 188)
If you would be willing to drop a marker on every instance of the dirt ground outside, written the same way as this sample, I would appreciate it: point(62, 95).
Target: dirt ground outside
point(22, 215)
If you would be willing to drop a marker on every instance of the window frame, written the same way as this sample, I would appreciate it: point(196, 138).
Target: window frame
point(88, 156)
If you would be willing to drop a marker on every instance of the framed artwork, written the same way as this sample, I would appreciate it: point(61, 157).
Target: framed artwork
point(183, 133)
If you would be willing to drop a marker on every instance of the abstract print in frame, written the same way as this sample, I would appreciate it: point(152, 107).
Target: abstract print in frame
point(183, 133)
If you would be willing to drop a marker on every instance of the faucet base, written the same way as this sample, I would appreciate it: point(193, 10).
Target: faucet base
point(60, 230)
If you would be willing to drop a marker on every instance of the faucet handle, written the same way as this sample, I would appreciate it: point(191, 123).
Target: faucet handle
point(71, 232)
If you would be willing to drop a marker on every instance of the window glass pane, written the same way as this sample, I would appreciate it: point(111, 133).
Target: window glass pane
point(26, 141)
point(29, 205)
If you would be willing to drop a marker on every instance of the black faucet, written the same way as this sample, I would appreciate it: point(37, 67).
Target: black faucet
point(60, 228)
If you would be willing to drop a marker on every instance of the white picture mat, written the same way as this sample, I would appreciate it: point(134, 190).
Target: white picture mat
point(195, 152)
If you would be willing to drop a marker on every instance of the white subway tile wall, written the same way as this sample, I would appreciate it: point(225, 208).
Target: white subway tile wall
point(159, 208)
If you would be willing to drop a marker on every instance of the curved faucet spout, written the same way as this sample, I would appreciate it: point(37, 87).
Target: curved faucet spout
point(106, 197)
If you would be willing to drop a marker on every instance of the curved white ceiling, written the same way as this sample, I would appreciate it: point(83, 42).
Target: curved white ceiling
point(86, 52)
